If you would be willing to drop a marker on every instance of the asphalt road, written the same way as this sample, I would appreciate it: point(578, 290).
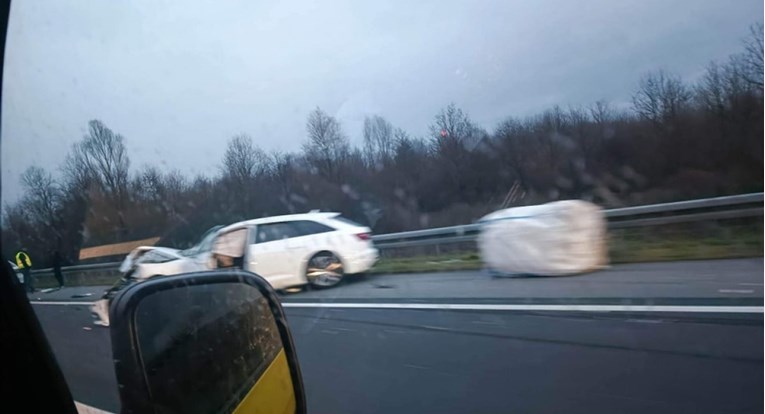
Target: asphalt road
point(83, 352)
point(734, 279)
point(455, 362)
point(739, 278)
point(399, 360)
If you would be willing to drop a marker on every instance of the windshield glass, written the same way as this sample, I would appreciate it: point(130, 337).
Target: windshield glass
point(495, 206)
point(204, 245)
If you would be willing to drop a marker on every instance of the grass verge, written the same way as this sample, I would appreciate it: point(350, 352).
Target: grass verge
point(445, 262)
point(633, 246)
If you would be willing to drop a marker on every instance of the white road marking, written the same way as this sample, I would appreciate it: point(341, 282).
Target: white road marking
point(735, 290)
point(485, 322)
point(532, 307)
point(343, 329)
point(504, 307)
point(438, 328)
point(86, 409)
point(60, 303)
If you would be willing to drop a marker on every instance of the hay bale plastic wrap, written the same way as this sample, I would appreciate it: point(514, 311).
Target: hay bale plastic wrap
point(553, 239)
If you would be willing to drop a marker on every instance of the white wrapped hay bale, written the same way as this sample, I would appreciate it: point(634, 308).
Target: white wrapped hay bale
point(558, 238)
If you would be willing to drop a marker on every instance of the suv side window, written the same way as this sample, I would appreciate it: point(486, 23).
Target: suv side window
point(276, 231)
point(306, 227)
point(285, 230)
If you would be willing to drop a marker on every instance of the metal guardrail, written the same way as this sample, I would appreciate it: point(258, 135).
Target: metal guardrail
point(77, 268)
point(426, 242)
point(716, 202)
point(440, 231)
point(737, 206)
point(721, 208)
point(686, 218)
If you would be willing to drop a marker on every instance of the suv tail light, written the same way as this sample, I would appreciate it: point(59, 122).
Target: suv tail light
point(364, 236)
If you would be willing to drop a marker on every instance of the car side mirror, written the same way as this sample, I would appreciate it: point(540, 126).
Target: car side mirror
point(206, 342)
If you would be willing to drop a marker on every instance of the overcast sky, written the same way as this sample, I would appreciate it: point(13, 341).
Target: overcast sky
point(178, 79)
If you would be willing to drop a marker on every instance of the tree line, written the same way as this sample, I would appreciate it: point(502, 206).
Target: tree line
point(678, 140)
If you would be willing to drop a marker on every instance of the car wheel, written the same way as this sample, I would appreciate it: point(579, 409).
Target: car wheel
point(324, 270)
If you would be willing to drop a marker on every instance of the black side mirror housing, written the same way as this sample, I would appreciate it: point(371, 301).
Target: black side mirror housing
point(204, 342)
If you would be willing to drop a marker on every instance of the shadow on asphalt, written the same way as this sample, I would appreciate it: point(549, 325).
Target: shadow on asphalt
point(346, 281)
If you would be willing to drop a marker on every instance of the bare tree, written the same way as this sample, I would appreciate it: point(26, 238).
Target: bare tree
point(327, 147)
point(175, 186)
point(175, 183)
point(99, 163)
point(42, 196)
point(18, 229)
point(553, 135)
point(243, 160)
point(601, 112)
point(101, 155)
point(379, 141)
point(147, 184)
point(453, 127)
point(710, 91)
point(400, 135)
point(515, 149)
point(735, 76)
point(453, 138)
point(753, 56)
point(284, 175)
point(35, 219)
point(75, 171)
point(581, 130)
point(660, 97)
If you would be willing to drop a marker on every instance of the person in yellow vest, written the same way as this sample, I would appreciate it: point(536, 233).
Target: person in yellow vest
point(24, 262)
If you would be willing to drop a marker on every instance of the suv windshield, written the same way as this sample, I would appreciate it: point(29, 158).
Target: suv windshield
point(204, 245)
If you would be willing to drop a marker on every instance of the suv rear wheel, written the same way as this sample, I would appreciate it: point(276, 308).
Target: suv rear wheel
point(324, 270)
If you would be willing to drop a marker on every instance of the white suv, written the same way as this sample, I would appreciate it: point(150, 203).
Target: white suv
point(291, 250)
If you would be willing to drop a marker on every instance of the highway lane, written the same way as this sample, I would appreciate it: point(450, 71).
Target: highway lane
point(382, 361)
point(83, 352)
point(738, 278)
point(466, 361)
point(734, 279)
point(403, 360)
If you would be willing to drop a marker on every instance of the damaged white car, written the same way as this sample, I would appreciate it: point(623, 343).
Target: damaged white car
point(292, 250)
point(145, 262)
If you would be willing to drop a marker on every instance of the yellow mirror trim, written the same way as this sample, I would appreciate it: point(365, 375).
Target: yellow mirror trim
point(273, 393)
